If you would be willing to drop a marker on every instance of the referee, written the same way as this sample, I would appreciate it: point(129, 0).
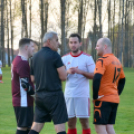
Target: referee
point(47, 71)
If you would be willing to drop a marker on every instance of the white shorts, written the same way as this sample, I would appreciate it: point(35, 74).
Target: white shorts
point(0, 71)
point(78, 107)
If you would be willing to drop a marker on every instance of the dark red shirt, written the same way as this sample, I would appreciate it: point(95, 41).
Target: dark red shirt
point(20, 69)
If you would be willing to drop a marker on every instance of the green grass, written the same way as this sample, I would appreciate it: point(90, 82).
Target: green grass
point(124, 121)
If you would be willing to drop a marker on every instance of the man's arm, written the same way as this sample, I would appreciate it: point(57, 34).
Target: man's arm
point(62, 73)
point(121, 85)
point(96, 85)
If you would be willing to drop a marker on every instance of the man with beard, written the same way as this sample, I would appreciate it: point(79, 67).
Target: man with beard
point(80, 68)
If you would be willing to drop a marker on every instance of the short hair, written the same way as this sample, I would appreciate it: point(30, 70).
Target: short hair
point(49, 35)
point(35, 42)
point(24, 41)
point(107, 41)
point(75, 35)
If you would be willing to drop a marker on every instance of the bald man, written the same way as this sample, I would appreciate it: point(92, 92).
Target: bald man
point(108, 84)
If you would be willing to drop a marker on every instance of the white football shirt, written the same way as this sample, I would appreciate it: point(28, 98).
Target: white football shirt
point(77, 85)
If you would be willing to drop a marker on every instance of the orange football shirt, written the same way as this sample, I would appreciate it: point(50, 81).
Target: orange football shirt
point(111, 69)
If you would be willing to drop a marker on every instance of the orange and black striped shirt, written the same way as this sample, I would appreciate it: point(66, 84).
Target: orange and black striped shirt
point(112, 71)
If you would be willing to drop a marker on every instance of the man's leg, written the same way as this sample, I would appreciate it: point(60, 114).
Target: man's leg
point(60, 128)
point(85, 125)
point(110, 129)
point(82, 109)
point(72, 126)
point(36, 128)
point(100, 129)
point(21, 130)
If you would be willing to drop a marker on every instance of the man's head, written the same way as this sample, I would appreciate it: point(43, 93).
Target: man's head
point(103, 46)
point(74, 42)
point(51, 40)
point(26, 46)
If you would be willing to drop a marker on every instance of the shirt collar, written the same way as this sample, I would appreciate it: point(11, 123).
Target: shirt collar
point(76, 55)
point(105, 55)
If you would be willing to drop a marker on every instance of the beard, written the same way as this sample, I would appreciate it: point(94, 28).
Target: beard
point(75, 51)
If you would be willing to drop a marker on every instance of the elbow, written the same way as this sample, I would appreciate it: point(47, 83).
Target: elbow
point(91, 76)
point(63, 77)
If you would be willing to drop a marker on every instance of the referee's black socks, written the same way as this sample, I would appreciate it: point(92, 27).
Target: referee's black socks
point(33, 132)
point(21, 132)
point(62, 132)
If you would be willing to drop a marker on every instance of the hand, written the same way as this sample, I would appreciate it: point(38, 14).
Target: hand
point(71, 70)
point(78, 71)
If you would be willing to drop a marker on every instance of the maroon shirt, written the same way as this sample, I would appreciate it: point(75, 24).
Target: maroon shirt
point(20, 69)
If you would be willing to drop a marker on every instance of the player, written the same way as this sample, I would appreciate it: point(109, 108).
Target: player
point(47, 70)
point(80, 68)
point(108, 83)
point(22, 87)
point(1, 72)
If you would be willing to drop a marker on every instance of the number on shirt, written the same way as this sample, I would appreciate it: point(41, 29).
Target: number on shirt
point(116, 74)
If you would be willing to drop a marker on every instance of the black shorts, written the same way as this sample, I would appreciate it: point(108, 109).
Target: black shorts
point(51, 107)
point(105, 112)
point(24, 116)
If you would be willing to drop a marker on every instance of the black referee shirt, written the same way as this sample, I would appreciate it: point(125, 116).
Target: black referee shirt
point(44, 68)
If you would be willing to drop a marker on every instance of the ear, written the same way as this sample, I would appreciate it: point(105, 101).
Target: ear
point(26, 47)
point(48, 42)
point(105, 46)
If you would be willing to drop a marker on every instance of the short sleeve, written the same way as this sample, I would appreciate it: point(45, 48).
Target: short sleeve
point(57, 60)
point(90, 64)
point(23, 70)
point(63, 60)
point(100, 67)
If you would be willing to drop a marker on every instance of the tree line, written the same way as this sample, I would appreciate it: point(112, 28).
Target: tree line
point(92, 19)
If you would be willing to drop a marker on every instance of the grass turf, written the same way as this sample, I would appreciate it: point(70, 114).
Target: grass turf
point(125, 115)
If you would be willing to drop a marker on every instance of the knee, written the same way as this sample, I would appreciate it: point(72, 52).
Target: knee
point(100, 129)
point(110, 130)
point(59, 128)
point(37, 126)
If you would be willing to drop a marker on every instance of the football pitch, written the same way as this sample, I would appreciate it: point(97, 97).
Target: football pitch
point(125, 115)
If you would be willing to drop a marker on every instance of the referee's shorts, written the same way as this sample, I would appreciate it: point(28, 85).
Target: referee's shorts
point(51, 107)
point(24, 116)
